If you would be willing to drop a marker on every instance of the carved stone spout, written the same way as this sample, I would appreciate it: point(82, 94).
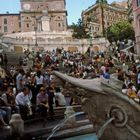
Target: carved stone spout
point(107, 108)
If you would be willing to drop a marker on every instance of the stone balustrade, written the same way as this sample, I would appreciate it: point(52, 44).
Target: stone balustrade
point(58, 40)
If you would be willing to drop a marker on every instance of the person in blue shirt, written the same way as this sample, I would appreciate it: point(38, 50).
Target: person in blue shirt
point(106, 75)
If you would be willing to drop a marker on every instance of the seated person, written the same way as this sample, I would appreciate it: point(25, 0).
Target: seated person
point(9, 99)
point(106, 75)
point(7, 109)
point(124, 89)
point(2, 116)
point(131, 92)
point(23, 101)
point(59, 97)
point(120, 75)
point(42, 101)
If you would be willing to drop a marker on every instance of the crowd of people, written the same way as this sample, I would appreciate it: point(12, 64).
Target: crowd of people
point(29, 90)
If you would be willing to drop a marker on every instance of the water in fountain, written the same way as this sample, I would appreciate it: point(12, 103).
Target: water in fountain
point(84, 137)
point(58, 126)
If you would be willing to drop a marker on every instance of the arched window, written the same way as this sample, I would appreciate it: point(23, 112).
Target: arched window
point(59, 24)
point(27, 25)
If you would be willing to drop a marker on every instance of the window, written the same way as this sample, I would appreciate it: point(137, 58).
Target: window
point(5, 29)
point(5, 21)
point(138, 3)
point(19, 24)
point(97, 29)
point(27, 25)
point(59, 24)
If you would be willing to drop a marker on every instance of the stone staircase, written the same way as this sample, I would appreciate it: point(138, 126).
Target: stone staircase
point(13, 58)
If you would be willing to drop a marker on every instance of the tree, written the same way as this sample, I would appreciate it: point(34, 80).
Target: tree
point(79, 30)
point(120, 31)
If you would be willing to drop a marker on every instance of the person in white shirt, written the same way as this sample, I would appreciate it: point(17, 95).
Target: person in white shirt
point(19, 80)
point(59, 97)
point(39, 81)
point(23, 101)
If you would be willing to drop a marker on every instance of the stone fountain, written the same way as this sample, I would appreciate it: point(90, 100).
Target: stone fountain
point(114, 115)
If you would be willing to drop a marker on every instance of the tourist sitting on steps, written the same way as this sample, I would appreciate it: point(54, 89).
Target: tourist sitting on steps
point(59, 97)
point(132, 93)
point(106, 75)
point(7, 109)
point(9, 99)
point(2, 116)
point(24, 103)
point(42, 102)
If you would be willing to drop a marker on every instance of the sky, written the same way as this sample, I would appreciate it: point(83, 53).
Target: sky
point(74, 7)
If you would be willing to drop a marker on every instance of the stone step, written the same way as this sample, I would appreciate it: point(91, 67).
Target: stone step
point(59, 114)
point(44, 132)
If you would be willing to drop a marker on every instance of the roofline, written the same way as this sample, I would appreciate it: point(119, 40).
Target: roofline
point(123, 9)
point(90, 8)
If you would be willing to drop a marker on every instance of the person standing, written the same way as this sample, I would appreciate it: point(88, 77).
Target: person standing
point(19, 80)
point(5, 60)
point(50, 93)
point(39, 79)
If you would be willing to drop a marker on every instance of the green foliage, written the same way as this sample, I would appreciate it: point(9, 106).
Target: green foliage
point(79, 30)
point(120, 31)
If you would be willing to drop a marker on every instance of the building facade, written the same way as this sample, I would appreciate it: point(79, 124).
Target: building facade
point(10, 23)
point(41, 15)
point(104, 15)
point(136, 14)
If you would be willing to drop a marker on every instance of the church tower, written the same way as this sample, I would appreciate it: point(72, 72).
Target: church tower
point(43, 15)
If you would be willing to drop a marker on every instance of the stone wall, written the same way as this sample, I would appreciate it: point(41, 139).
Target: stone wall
point(50, 44)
